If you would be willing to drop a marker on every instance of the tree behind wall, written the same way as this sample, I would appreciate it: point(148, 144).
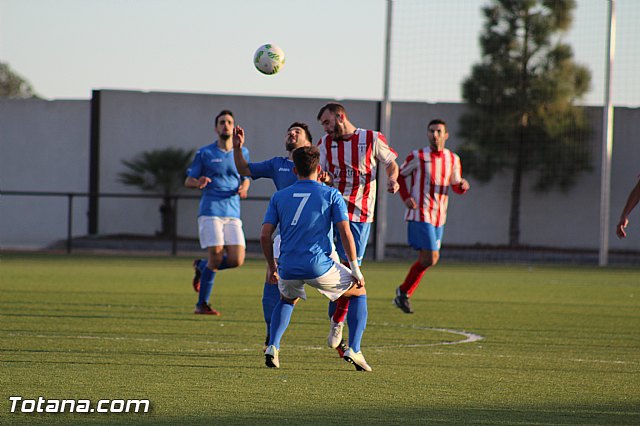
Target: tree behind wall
point(521, 114)
point(161, 171)
point(14, 86)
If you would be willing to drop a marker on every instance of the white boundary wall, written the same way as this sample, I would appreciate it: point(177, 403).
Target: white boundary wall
point(44, 146)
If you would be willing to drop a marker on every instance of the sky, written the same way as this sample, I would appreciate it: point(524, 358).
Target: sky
point(334, 48)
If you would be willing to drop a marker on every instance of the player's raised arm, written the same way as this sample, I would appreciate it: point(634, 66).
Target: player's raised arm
point(238, 142)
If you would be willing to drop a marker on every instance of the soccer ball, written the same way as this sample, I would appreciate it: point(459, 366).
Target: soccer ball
point(268, 59)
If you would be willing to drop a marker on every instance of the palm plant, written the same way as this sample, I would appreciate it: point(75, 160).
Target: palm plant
point(161, 171)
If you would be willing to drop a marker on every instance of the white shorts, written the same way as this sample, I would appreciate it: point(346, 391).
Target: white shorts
point(332, 284)
point(217, 231)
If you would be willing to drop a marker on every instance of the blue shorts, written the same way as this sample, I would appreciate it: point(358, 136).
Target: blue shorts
point(360, 231)
point(424, 236)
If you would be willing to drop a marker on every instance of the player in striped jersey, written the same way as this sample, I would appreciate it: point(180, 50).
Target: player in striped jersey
point(433, 170)
point(349, 158)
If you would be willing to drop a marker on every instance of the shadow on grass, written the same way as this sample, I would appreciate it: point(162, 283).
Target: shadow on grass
point(278, 414)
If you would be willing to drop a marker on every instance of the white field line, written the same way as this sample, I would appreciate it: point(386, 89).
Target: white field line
point(221, 346)
point(468, 337)
point(59, 336)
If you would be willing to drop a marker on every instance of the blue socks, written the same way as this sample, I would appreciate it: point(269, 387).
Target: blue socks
point(270, 298)
point(206, 285)
point(207, 277)
point(280, 321)
point(357, 320)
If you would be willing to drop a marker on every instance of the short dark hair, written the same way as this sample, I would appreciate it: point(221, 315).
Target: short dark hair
point(332, 107)
point(438, 121)
point(223, 112)
point(304, 127)
point(306, 160)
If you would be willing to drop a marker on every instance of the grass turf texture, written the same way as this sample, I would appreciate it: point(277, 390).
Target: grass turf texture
point(560, 346)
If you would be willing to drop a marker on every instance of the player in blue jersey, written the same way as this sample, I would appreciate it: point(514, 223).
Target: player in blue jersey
point(306, 212)
point(280, 171)
point(213, 171)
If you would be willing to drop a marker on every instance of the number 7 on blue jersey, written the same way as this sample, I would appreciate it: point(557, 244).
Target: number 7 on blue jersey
point(304, 198)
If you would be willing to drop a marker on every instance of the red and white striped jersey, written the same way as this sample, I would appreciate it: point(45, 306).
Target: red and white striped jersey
point(353, 164)
point(432, 173)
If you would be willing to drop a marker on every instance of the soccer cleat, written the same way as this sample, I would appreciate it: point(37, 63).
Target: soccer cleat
point(342, 348)
point(335, 334)
point(271, 357)
point(266, 344)
point(205, 309)
point(196, 276)
point(402, 301)
point(357, 359)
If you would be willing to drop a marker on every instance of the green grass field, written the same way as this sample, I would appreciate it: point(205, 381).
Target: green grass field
point(561, 345)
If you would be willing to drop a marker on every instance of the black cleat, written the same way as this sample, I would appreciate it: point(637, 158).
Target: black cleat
point(342, 348)
point(205, 309)
point(402, 301)
point(271, 358)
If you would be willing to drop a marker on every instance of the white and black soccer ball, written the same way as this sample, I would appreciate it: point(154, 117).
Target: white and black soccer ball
point(268, 59)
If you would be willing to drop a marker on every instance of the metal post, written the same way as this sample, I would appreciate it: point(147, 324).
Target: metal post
point(69, 221)
point(385, 128)
point(607, 141)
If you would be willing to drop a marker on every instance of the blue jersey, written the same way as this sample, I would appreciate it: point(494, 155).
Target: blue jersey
point(278, 169)
point(220, 197)
point(305, 212)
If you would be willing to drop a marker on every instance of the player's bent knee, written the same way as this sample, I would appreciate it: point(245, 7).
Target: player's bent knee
point(355, 291)
point(429, 258)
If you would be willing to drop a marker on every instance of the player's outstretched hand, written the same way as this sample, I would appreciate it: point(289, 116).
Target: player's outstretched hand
point(243, 192)
point(359, 282)
point(325, 177)
point(273, 276)
point(203, 181)
point(238, 137)
point(620, 227)
point(464, 185)
point(392, 186)
point(358, 278)
point(410, 203)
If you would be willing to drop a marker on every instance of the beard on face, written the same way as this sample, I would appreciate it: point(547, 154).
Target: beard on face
point(290, 145)
point(337, 133)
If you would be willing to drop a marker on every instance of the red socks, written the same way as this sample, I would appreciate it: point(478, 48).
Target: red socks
point(342, 307)
point(413, 278)
point(409, 285)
